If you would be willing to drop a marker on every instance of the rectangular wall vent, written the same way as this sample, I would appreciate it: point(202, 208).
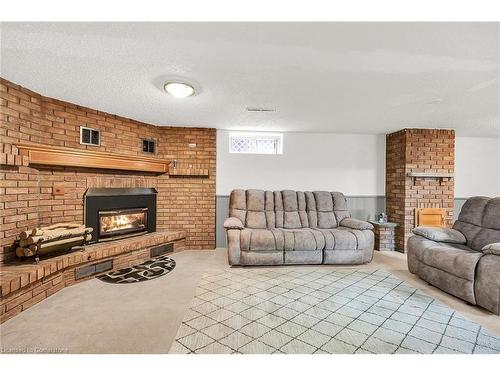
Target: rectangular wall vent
point(163, 249)
point(89, 136)
point(93, 269)
point(261, 109)
point(148, 146)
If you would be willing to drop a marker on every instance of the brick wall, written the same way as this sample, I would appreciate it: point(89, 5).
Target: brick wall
point(418, 150)
point(26, 200)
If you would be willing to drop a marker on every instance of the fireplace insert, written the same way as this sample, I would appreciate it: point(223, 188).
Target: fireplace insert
point(120, 212)
point(117, 222)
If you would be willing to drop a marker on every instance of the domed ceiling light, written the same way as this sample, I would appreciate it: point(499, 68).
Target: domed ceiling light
point(179, 89)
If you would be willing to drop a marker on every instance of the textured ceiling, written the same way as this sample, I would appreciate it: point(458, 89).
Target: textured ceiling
point(320, 77)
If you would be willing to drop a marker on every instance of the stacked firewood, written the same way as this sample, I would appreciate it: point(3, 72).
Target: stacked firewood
point(53, 238)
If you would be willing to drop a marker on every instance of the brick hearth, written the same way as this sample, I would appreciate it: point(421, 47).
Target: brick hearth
point(418, 150)
point(24, 284)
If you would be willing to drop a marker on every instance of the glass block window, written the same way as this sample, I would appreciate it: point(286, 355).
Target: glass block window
point(241, 145)
point(256, 143)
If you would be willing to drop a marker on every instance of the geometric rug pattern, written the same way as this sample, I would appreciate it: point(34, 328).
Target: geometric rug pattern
point(150, 269)
point(321, 310)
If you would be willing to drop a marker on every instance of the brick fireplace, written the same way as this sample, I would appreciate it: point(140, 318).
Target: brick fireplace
point(181, 215)
point(38, 195)
point(420, 164)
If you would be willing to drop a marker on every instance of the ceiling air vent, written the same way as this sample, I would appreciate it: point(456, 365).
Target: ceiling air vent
point(261, 109)
point(89, 136)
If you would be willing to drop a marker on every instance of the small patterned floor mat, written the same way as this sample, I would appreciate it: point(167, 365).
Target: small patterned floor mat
point(148, 270)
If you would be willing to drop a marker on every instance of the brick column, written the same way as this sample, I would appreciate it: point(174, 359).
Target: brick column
point(418, 150)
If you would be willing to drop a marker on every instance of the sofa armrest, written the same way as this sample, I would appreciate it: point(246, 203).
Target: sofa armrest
point(355, 224)
point(233, 223)
point(492, 248)
point(441, 234)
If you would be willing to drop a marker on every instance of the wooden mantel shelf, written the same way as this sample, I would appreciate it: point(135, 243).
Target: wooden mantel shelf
point(69, 157)
point(437, 175)
point(188, 172)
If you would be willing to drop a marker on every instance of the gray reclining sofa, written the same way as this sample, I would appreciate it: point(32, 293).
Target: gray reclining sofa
point(463, 261)
point(295, 227)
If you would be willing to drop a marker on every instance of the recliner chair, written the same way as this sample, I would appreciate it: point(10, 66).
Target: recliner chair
point(463, 261)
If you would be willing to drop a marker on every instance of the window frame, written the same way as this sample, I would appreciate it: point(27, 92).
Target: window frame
point(91, 130)
point(149, 142)
point(254, 137)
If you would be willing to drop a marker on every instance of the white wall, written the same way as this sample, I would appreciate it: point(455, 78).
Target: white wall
point(477, 167)
point(351, 163)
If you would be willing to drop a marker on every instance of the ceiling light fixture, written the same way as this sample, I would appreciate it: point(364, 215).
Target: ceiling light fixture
point(179, 89)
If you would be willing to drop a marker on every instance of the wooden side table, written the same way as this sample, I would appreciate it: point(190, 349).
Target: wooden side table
point(384, 235)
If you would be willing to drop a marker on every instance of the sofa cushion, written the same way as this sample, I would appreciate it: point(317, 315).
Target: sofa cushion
point(291, 213)
point(238, 205)
point(491, 217)
point(441, 234)
point(355, 224)
point(255, 200)
point(458, 262)
point(256, 219)
point(269, 210)
point(255, 208)
point(302, 208)
point(291, 218)
point(484, 237)
point(289, 200)
point(472, 210)
point(479, 221)
point(468, 230)
point(492, 248)
point(312, 214)
point(326, 220)
point(340, 238)
point(490, 230)
point(324, 208)
point(279, 211)
point(340, 206)
point(238, 199)
point(261, 240)
point(324, 201)
point(303, 240)
point(255, 204)
point(288, 209)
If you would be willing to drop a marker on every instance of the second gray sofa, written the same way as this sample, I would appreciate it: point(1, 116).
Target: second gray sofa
point(295, 227)
point(463, 261)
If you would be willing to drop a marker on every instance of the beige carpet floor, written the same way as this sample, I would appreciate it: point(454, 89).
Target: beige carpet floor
point(96, 317)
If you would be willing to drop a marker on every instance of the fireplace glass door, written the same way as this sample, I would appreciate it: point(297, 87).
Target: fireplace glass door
point(122, 222)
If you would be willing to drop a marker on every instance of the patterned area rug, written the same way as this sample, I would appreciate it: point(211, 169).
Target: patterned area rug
point(321, 310)
point(148, 270)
